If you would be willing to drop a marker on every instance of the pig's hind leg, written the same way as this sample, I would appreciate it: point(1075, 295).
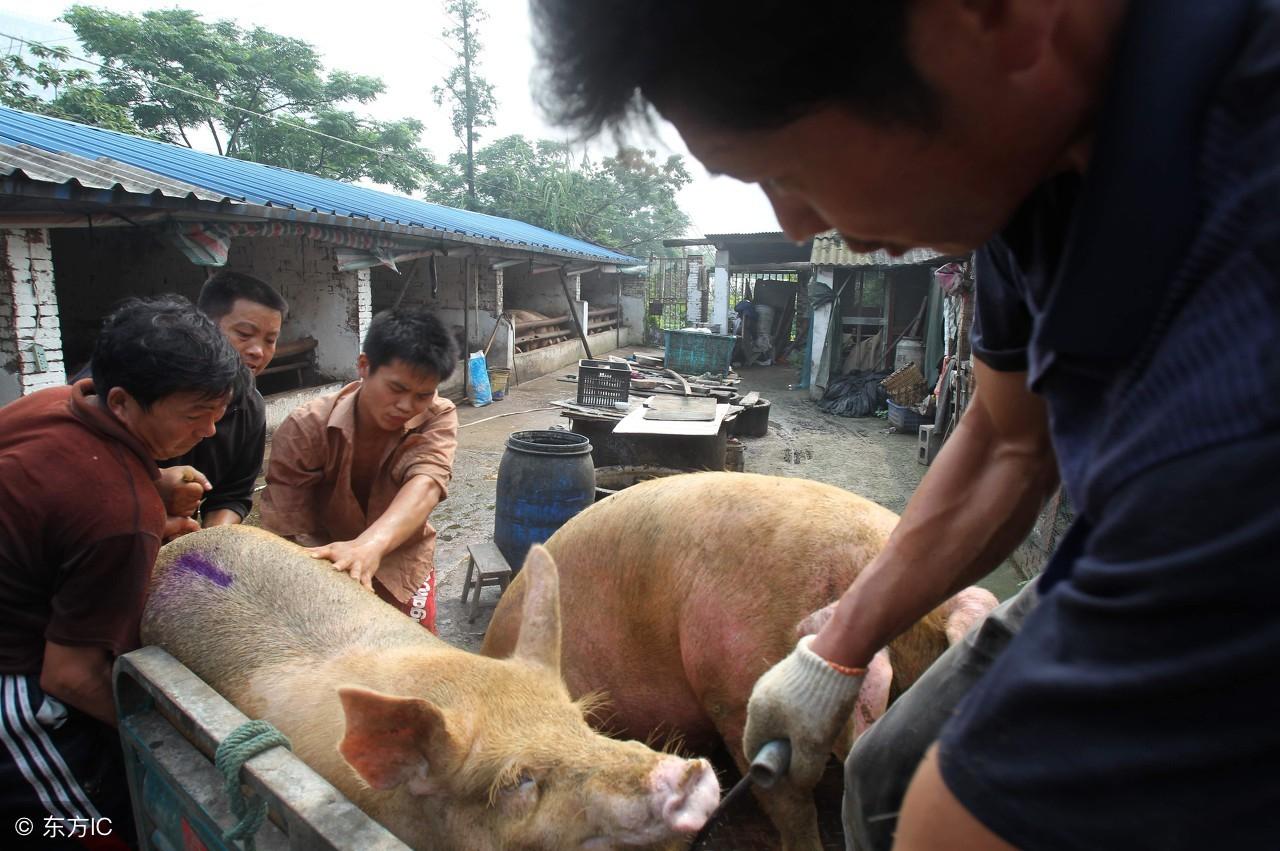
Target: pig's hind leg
point(966, 608)
point(793, 813)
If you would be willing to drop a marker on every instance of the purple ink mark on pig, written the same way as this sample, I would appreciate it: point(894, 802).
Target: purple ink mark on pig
point(201, 566)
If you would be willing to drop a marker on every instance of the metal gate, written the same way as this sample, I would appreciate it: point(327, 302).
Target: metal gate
point(740, 282)
point(678, 294)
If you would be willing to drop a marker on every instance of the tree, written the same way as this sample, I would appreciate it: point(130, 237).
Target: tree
point(469, 93)
point(627, 201)
point(255, 92)
point(74, 94)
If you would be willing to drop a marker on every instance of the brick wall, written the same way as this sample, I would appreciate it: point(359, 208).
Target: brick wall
point(331, 306)
point(30, 330)
point(541, 292)
point(489, 298)
point(635, 307)
point(451, 274)
point(96, 269)
point(693, 288)
point(10, 366)
point(100, 266)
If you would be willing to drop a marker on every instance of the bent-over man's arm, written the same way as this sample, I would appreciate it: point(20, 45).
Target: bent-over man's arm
point(975, 505)
point(423, 467)
point(94, 617)
point(404, 518)
point(80, 677)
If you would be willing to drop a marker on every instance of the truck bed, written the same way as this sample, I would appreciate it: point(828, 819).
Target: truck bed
point(170, 725)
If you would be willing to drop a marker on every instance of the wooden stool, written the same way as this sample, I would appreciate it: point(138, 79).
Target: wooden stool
point(490, 568)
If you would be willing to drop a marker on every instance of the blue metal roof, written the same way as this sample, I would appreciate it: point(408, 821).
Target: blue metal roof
point(265, 185)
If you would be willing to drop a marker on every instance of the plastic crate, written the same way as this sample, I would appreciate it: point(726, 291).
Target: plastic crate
point(693, 352)
point(906, 420)
point(601, 383)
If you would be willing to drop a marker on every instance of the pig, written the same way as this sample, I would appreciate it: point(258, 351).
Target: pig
point(678, 593)
point(447, 749)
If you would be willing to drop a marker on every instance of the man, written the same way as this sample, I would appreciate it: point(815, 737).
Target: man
point(356, 474)
point(219, 474)
point(80, 524)
point(1114, 163)
point(745, 314)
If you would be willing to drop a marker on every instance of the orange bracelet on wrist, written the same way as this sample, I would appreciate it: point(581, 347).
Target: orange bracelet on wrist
point(846, 670)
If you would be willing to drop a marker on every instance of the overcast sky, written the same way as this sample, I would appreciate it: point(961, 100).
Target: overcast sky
point(400, 42)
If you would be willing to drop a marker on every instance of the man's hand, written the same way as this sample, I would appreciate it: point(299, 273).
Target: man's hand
point(359, 560)
point(181, 489)
point(177, 526)
point(807, 701)
point(221, 517)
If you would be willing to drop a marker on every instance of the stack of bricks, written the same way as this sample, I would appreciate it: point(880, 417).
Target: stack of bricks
point(30, 332)
point(488, 292)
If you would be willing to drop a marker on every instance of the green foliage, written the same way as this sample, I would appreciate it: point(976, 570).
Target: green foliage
point(167, 72)
point(74, 95)
point(627, 201)
point(469, 94)
point(291, 147)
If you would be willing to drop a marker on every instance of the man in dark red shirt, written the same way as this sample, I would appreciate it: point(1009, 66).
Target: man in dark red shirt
point(80, 523)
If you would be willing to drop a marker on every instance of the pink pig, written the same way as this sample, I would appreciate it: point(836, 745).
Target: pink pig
point(678, 593)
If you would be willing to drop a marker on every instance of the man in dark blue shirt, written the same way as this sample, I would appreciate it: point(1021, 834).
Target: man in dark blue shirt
point(1116, 164)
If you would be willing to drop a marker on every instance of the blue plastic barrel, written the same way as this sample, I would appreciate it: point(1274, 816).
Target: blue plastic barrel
point(545, 478)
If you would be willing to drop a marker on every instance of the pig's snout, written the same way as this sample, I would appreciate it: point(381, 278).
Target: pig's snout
point(685, 793)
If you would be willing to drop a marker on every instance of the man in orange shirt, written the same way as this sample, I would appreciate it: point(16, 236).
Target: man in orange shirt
point(356, 474)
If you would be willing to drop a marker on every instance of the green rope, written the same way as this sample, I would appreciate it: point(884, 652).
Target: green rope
point(241, 745)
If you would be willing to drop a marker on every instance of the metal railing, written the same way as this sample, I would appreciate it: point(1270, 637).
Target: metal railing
point(170, 725)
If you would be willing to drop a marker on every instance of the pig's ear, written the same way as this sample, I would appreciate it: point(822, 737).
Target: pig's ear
point(539, 639)
point(393, 740)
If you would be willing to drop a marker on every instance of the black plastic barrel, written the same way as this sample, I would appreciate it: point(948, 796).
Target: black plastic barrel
point(545, 478)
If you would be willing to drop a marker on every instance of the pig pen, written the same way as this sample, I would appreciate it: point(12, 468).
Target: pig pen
point(802, 441)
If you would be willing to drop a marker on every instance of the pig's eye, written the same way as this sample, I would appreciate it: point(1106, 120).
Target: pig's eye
point(524, 785)
point(522, 792)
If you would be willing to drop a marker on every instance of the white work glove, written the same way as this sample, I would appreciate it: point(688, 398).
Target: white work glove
point(807, 701)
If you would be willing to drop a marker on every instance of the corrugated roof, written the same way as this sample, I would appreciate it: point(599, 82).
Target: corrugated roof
point(102, 173)
point(758, 236)
point(254, 183)
point(724, 238)
point(830, 250)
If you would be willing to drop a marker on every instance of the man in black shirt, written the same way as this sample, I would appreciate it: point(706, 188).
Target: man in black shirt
point(218, 475)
